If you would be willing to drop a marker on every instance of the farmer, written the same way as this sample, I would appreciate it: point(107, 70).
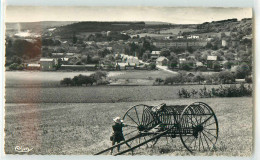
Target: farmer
point(117, 135)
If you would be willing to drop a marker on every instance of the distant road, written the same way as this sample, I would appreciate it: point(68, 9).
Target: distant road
point(165, 68)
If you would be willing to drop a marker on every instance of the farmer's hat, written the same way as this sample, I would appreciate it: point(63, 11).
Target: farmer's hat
point(118, 120)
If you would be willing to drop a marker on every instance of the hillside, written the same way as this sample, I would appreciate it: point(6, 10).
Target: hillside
point(101, 26)
point(36, 27)
point(229, 25)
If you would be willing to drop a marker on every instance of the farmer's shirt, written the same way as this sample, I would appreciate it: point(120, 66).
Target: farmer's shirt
point(117, 127)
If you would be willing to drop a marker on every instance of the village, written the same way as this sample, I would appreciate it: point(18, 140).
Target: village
point(159, 49)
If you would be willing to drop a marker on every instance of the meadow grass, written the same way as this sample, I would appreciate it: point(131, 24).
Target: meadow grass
point(84, 128)
point(95, 94)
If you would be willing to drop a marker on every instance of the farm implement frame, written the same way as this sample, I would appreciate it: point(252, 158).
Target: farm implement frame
point(196, 125)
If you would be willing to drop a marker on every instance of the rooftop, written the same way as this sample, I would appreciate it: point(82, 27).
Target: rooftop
point(156, 52)
point(33, 65)
point(212, 58)
point(161, 58)
point(46, 59)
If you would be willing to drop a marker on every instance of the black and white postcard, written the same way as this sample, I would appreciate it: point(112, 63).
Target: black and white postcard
point(168, 81)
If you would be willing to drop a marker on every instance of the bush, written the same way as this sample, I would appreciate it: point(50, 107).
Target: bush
point(174, 79)
point(226, 77)
point(184, 93)
point(66, 81)
point(204, 93)
point(168, 80)
point(99, 75)
point(16, 66)
point(249, 80)
point(81, 79)
point(242, 71)
point(159, 80)
point(198, 78)
point(152, 66)
point(232, 91)
point(186, 65)
point(227, 91)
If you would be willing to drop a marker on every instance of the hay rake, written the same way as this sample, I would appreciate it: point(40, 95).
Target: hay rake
point(196, 125)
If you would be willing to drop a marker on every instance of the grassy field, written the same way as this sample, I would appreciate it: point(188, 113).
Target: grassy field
point(24, 79)
point(52, 79)
point(95, 94)
point(175, 31)
point(84, 128)
point(42, 79)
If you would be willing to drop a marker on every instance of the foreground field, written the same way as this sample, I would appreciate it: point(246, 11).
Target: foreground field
point(96, 94)
point(84, 128)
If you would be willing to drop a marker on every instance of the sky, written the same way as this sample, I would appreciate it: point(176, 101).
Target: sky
point(177, 15)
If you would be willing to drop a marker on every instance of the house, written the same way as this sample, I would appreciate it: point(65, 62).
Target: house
point(70, 54)
point(162, 61)
point(193, 37)
point(33, 67)
point(209, 39)
point(65, 60)
point(200, 67)
point(155, 54)
point(90, 67)
point(125, 66)
point(180, 37)
point(240, 80)
point(211, 60)
point(249, 37)
point(48, 64)
point(110, 48)
point(199, 64)
point(180, 43)
point(130, 66)
point(181, 60)
point(224, 43)
point(57, 55)
point(234, 69)
point(121, 65)
point(132, 59)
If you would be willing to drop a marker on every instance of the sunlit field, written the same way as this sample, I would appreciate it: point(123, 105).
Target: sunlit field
point(84, 128)
point(95, 94)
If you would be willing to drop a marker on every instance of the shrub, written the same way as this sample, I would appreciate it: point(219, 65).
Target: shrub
point(178, 78)
point(184, 93)
point(198, 78)
point(227, 91)
point(66, 81)
point(204, 93)
point(186, 66)
point(152, 66)
point(232, 91)
point(159, 80)
point(168, 80)
point(226, 77)
point(242, 71)
point(16, 66)
point(99, 75)
point(249, 80)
